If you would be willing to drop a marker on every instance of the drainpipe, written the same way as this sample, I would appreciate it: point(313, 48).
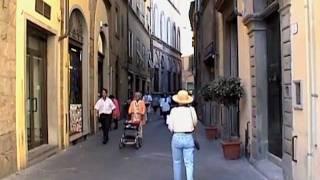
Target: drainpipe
point(65, 34)
point(312, 88)
point(66, 21)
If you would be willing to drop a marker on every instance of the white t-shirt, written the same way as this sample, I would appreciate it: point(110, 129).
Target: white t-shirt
point(104, 106)
point(182, 119)
point(147, 99)
point(165, 106)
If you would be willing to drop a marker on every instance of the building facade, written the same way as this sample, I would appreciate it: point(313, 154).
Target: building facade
point(68, 50)
point(263, 43)
point(139, 49)
point(166, 47)
point(203, 24)
point(188, 73)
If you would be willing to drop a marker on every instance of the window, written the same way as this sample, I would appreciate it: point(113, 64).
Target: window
point(178, 39)
point(117, 22)
point(168, 30)
point(143, 55)
point(161, 25)
point(138, 45)
point(138, 8)
point(143, 51)
point(122, 26)
point(154, 19)
point(174, 35)
point(130, 44)
point(138, 51)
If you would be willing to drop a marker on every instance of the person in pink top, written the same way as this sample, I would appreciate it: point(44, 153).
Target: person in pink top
point(116, 112)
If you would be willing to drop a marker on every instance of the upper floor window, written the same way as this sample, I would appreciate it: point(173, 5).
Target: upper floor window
point(130, 43)
point(178, 39)
point(161, 25)
point(117, 22)
point(174, 35)
point(155, 19)
point(168, 30)
point(138, 46)
point(138, 8)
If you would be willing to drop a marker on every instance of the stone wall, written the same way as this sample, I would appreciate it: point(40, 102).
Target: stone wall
point(286, 87)
point(8, 155)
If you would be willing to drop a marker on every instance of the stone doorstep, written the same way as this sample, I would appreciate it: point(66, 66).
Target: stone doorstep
point(41, 153)
point(269, 169)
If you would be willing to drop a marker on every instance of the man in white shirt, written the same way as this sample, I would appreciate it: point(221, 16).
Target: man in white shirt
point(147, 98)
point(165, 107)
point(104, 108)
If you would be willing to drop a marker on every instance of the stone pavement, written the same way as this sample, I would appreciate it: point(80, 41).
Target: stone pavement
point(90, 160)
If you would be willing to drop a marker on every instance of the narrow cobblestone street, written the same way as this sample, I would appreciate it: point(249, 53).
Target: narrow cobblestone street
point(92, 160)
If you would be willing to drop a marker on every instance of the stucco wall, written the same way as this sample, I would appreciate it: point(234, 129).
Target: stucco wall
point(244, 74)
point(300, 65)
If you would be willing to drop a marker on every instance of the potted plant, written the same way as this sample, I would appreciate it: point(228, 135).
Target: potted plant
point(211, 130)
point(226, 91)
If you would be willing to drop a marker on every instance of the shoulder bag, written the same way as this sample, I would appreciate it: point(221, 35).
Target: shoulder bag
point(195, 139)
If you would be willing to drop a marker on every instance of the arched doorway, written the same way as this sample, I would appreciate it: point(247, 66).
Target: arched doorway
point(101, 57)
point(78, 80)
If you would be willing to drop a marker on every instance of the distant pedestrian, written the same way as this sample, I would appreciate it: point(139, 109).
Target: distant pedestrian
point(182, 122)
point(155, 104)
point(165, 107)
point(147, 98)
point(116, 112)
point(137, 111)
point(104, 108)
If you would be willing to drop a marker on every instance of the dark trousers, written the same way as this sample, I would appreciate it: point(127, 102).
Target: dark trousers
point(164, 115)
point(115, 121)
point(155, 108)
point(105, 120)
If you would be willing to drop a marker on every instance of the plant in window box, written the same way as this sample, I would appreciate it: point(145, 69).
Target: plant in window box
point(227, 92)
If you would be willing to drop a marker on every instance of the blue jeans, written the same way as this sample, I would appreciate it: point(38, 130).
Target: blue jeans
point(182, 150)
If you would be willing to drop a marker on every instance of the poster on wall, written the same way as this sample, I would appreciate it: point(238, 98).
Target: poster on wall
point(76, 121)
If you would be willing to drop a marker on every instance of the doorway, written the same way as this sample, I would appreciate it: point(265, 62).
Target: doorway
point(232, 70)
point(274, 85)
point(36, 88)
point(76, 119)
point(100, 72)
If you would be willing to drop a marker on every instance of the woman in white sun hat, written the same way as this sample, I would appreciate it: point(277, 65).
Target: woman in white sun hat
point(182, 122)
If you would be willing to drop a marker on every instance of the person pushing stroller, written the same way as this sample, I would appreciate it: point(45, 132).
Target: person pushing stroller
point(137, 111)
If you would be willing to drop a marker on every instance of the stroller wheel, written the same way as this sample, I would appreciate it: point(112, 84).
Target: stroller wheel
point(121, 145)
point(137, 145)
point(140, 141)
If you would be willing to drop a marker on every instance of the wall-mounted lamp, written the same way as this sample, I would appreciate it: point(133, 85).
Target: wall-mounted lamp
point(102, 24)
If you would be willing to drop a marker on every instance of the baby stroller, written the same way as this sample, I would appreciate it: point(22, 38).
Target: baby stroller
point(131, 135)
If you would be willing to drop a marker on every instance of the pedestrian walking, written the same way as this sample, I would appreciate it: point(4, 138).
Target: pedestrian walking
point(165, 107)
point(147, 98)
point(116, 112)
point(182, 122)
point(155, 104)
point(137, 111)
point(104, 108)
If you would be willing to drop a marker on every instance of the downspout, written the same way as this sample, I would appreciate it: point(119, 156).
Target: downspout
point(312, 88)
point(65, 34)
point(66, 21)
